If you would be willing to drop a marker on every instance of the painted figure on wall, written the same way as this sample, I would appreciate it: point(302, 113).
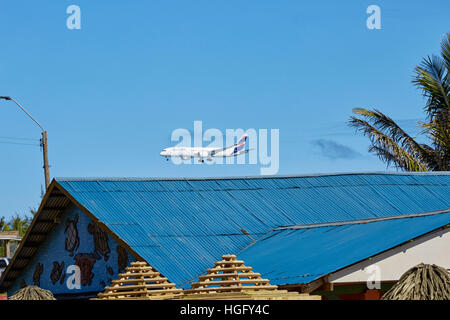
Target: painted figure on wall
point(110, 270)
point(77, 240)
point(37, 274)
point(85, 261)
point(122, 258)
point(57, 272)
point(101, 246)
point(72, 238)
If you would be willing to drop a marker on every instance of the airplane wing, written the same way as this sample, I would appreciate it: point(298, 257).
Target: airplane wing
point(241, 152)
point(213, 152)
point(240, 145)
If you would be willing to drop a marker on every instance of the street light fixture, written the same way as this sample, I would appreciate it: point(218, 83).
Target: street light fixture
point(43, 141)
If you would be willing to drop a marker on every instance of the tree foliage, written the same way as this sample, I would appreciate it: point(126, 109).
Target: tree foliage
point(392, 144)
point(16, 223)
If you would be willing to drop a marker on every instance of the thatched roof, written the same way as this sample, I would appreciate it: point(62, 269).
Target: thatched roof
point(422, 282)
point(32, 293)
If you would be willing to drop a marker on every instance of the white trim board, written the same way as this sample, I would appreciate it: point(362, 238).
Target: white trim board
point(433, 248)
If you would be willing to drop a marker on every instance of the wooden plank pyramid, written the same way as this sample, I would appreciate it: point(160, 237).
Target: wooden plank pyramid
point(234, 277)
point(230, 279)
point(140, 281)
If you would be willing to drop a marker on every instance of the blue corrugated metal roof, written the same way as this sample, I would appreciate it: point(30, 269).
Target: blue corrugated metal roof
point(272, 202)
point(181, 226)
point(304, 255)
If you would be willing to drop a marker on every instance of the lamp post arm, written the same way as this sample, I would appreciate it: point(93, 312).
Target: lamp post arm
point(43, 141)
point(27, 113)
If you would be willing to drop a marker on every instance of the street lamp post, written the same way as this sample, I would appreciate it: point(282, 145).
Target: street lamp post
point(43, 141)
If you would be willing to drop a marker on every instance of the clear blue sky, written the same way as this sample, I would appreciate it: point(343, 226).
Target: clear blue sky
point(110, 94)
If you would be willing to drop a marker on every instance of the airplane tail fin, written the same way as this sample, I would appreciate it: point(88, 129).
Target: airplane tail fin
point(243, 139)
point(241, 144)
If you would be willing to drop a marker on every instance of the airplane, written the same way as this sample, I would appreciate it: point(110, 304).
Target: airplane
point(186, 153)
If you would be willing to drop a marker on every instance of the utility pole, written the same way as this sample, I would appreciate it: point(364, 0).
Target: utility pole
point(45, 152)
point(43, 141)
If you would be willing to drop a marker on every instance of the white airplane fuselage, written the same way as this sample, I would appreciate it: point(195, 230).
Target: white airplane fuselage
point(187, 153)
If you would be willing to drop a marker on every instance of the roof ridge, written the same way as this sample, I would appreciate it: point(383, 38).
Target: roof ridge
point(312, 175)
point(360, 221)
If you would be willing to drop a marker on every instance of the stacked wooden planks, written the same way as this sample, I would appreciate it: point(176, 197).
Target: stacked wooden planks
point(230, 279)
point(230, 275)
point(140, 281)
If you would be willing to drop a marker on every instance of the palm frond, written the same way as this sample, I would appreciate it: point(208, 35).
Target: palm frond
point(388, 126)
point(445, 53)
point(433, 79)
point(392, 144)
point(387, 148)
point(439, 133)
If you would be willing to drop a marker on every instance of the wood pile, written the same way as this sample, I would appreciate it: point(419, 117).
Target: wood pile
point(422, 282)
point(140, 281)
point(230, 279)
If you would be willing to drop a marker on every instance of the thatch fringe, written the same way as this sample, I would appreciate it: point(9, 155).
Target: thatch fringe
point(422, 282)
point(32, 293)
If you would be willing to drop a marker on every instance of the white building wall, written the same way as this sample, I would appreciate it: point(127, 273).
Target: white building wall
point(430, 249)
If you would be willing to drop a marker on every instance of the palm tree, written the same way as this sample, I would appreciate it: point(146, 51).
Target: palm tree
point(19, 224)
point(16, 223)
point(392, 144)
point(4, 226)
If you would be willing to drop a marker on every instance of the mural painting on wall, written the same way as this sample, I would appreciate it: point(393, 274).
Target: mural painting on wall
point(101, 246)
point(57, 273)
point(122, 258)
point(110, 270)
point(85, 261)
point(72, 238)
point(37, 274)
